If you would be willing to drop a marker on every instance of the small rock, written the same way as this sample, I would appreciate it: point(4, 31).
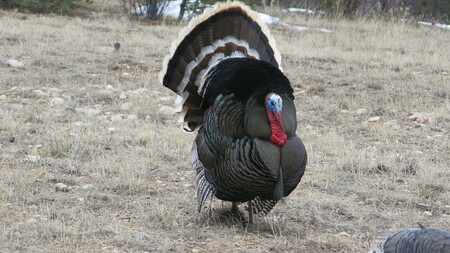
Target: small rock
point(371, 201)
point(401, 181)
point(109, 87)
point(80, 199)
point(424, 206)
point(346, 112)
point(361, 111)
point(2, 97)
point(57, 101)
point(116, 45)
point(421, 119)
point(447, 209)
point(40, 93)
point(78, 124)
point(116, 118)
point(391, 124)
point(112, 130)
point(31, 221)
point(125, 74)
point(81, 179)
point(55, 90)
point(86, 186)
point(132, 117)
point(428, 213)
point(418, 153)
point(74, 135)
point(343, 234)
point(140, 235)
point(15, 63)
point(374, 119)
point(123, 96)
point(126, 106)
point(95, 175)
point(140, 91)
point(108, 248)
point(34, 158)
point(437, 135)
point(60, 187)
point(88, 111)
point(167, 110)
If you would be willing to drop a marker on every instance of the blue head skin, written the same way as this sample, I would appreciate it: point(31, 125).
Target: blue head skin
point(274, 102)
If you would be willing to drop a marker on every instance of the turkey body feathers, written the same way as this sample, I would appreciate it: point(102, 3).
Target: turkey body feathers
point(226, 69)
point(240, 161)
point(423, 240)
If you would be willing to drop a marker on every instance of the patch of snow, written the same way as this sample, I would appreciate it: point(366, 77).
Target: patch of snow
point(301, 10)
point(295, 27)
point(443, 26)
point(173, 10)
point(269, 20)
point(425, 23)
point(324, 30)
point(14, 63)
point(141, 10)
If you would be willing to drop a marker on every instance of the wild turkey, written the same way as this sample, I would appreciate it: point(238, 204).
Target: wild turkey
point(421, 240)
point(226, 69)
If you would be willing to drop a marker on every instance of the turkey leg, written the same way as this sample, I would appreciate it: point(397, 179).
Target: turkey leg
point(250, 212)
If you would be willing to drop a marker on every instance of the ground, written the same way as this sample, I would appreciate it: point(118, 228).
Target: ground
point(92, 158)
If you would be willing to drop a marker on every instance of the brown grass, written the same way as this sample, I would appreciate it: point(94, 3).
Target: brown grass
point(130, 186)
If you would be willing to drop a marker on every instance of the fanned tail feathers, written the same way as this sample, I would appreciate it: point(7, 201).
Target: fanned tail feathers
point(227, 30)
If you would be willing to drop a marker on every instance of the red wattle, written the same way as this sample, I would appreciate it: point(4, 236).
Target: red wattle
point(276, 125)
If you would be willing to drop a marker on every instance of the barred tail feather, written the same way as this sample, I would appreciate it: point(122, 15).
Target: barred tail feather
point(263, 207)
point(227, 30)
point(204, 189)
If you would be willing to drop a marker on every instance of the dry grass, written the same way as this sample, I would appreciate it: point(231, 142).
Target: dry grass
point(130, 187)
